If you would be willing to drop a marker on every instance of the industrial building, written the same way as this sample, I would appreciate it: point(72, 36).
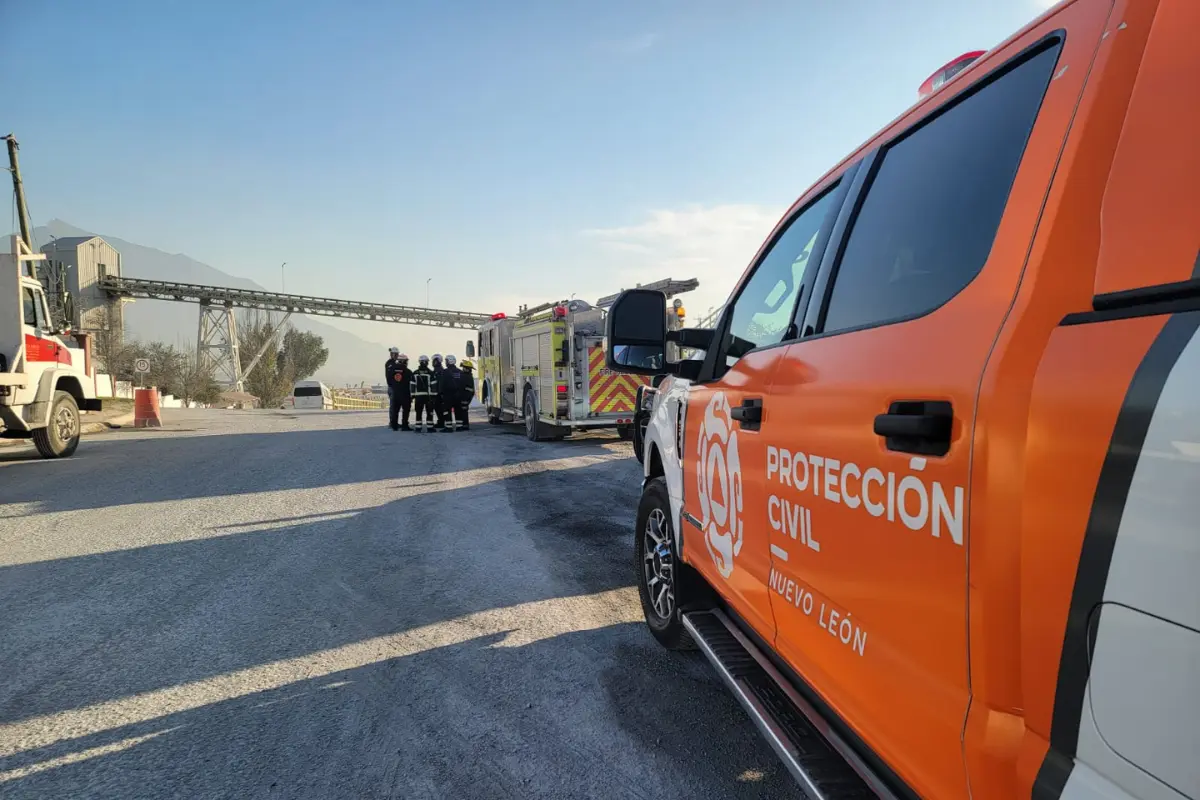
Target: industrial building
point(82, 261)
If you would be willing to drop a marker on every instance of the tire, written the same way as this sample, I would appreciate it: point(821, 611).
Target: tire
point(625, 432)
point(639, 443)
point(531, 420)
point(494, 416)
point(61, 436)
point(655, 557)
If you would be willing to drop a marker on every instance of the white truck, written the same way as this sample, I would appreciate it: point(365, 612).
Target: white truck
point(46, 376)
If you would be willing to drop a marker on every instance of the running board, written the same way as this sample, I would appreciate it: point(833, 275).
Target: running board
point(821, 762)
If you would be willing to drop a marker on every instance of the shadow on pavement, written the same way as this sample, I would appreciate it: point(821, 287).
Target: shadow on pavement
point(87, 629)
point(600, 713)
point(116, 469)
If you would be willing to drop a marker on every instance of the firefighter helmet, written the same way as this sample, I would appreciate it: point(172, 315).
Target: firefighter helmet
point(450, 361)
point(423, 360)
point(467, 364)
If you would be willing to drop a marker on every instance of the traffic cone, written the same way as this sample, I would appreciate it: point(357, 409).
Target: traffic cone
point(145, 408)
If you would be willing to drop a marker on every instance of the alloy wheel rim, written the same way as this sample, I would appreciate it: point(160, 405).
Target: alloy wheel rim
point(64, 423)
point(658, 564)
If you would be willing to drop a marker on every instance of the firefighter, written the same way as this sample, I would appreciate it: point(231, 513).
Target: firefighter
point(400, 393)
point(452, 382)
point(468, 393)
point(438, 407)
point(389, 373)
point(424, 392)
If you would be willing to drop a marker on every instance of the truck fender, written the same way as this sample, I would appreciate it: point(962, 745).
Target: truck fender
point(52, 380)
point(529, 389)
point(663, 458)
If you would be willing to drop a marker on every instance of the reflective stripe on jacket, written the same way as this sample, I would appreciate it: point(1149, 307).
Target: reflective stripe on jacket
point(424, 382)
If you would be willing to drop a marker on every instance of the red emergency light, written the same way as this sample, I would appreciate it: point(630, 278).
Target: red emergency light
point(948, 71)
point(560, 311)
point(500, 315)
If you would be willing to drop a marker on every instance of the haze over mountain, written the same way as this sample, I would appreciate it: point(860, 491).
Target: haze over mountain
point(351, 358)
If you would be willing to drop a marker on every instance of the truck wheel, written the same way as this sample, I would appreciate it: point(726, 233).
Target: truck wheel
point(625, 432)
point(494, 416)
point(666, 586)
point(61, 436)
point(639, 443)
point(531, 420)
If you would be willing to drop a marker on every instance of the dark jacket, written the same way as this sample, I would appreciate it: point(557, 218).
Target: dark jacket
point(468, 392)
point(402, 376)
point(424, 382)
point(453, 383)
point(389, 370)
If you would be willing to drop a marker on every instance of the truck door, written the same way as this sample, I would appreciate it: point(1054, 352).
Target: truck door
point(872, 416)
point(725, 533)
point(41, 345)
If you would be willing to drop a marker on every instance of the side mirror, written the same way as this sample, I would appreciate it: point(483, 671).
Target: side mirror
point(636, 330)
point(693, 338)
point(470, 349)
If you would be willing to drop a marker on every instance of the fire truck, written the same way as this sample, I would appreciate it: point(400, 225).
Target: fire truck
point(46, 374)
point(545, 368)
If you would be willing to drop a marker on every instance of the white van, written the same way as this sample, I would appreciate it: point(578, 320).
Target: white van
point(311, 394)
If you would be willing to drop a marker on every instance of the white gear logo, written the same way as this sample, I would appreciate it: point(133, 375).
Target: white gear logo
point(719, 475)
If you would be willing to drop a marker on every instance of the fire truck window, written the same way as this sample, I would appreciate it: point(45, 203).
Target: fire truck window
point(931, 213)
point(763, 310)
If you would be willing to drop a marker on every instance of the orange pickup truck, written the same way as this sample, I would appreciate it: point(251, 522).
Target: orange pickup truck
point(930, 502)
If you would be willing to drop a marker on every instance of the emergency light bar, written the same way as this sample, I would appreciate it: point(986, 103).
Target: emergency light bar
point(500, 315)
point(939, 78)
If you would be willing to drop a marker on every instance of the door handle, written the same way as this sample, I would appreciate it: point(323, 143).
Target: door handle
point(749, 414)
point(922, 427)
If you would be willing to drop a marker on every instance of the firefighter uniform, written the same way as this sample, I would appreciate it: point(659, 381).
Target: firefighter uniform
point(389, 376)
point(452, 384)
point(439, 407)
point(424, 386)
point(468, 393)
point(399, 392)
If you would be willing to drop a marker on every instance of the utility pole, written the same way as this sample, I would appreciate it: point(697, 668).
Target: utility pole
point(19, 189)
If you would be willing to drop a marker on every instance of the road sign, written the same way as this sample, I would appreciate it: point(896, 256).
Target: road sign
point(141, 365)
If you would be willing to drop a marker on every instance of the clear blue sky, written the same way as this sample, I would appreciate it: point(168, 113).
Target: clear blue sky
point(513, 151)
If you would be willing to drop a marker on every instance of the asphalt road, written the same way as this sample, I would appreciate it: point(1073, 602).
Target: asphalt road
point(308, 605)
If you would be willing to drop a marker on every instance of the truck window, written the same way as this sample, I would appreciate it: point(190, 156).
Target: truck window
point(763, 309)
point(931, 212)
point(34, 315)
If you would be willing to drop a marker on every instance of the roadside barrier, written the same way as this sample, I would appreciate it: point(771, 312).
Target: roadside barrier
point(341, 402)
point(145, 409)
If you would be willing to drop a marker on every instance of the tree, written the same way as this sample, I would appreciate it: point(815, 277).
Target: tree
point(194, 383)
point(114, 354)
point(265, 382)
point(302, 354)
